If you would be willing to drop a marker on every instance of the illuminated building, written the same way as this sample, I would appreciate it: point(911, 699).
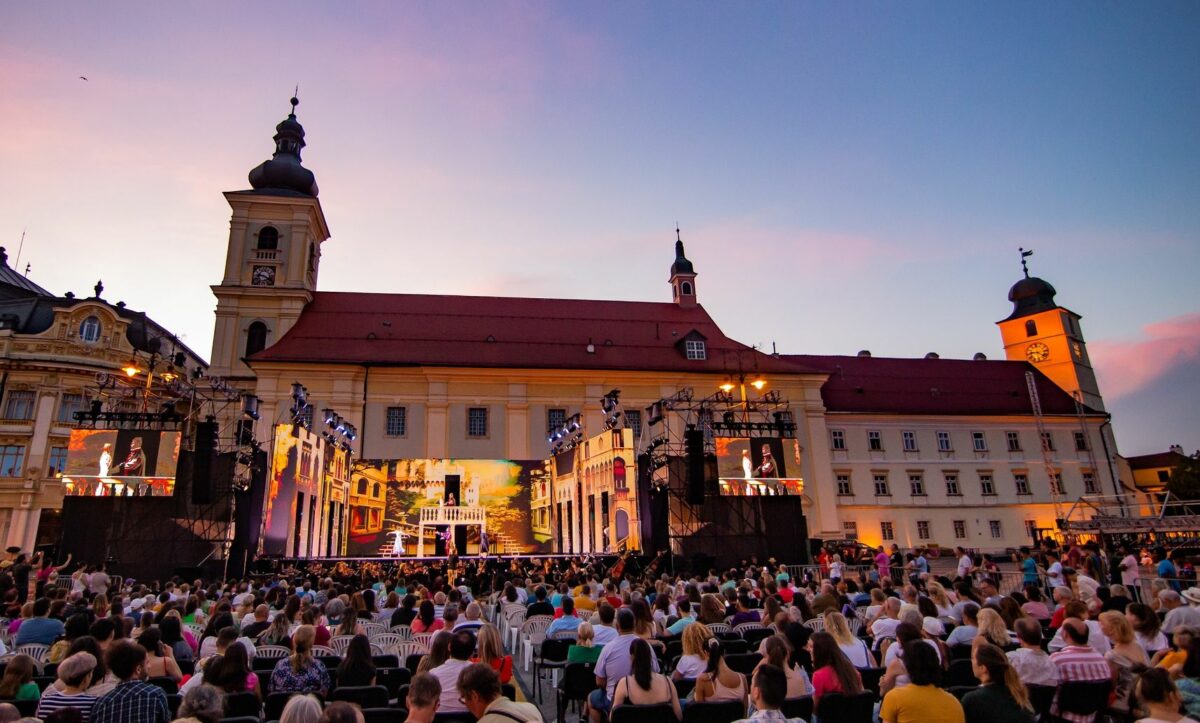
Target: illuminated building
point(913, 451)
point(1152, 472)
point(55, 351)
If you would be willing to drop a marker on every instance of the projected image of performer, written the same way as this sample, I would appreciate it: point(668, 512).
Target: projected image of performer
point(767, 468)
point(483, 542)
point(105, 460)
point(448, 538)
point(134, 466)
point(398, 542)
point(450, 501)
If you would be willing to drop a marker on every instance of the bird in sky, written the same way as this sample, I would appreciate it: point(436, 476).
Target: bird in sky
point(83, 77)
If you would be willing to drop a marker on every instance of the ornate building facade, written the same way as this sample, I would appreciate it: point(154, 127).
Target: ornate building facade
point(57, 354)
point(915, 451)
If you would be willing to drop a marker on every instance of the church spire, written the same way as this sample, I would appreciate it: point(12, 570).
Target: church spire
point(683, 275)
point(284, 174)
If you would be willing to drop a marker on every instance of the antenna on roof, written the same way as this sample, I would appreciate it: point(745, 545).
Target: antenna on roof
point(1024, 255)
point(17, 262)
point(28, 268)
point(677, 236)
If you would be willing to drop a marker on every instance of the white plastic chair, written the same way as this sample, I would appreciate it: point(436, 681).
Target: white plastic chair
point(404, 631)
point(533, 632)
point(271, 652)
point(339, 643)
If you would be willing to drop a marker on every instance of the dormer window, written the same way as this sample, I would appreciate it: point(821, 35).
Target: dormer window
point(268, 238)
point(695, 349)
point(89, 330)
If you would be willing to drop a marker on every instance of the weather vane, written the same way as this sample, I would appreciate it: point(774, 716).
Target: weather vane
point(1024, 264)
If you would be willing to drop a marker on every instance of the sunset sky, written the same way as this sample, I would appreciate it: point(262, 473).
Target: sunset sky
point(847, 176)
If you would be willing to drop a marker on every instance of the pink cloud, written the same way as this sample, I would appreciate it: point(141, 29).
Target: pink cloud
point(1125, 366)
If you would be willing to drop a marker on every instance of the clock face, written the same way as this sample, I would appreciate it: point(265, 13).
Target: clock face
point(263, 276)
point(1037, 352)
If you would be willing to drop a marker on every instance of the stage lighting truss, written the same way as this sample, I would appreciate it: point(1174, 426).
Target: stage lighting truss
point(566, 437)
point(610, 404)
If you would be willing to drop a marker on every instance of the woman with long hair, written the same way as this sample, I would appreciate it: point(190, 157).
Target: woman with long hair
point(992, 629)
point(312, 616)
point(1001, 696)
point(357, 668)
point(160, 660)
point(1125, 657)
point(771, 609)
point(776, 651)
point(719, 681)
point(712, 609)
point(937, 594)
point(896, 674)
point(231, 672)
point(350, 625)
point(301, 672)
point(694, 660)
point(277, 633)
point(832, 670)
point(1011, 611)
point(854, 648)
point(643, 686)
point(931, 622)
point(407, 611)
point(391, 604)
point(17, 683)
point(439, 651)
point(490, 649)
point(1147, 628)
point(643, 620)
point(425, 622)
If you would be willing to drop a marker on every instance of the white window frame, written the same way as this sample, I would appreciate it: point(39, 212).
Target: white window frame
point(1048, 441)
point(953, 489)
point(90, 330)
point(850, 529)
point(996, 529)
point(910, 440)
point(1081, 442)
point(845, 487)
point(1013, 440)
point(20, 404)
point(695, 349)
point(12, 460)
point(874, 440)
point(887, 530)
point(987, 485)
point(837, 440)
point(1090, 486)
point(880, 481)
point(916, 484)
point(960, 529)
point(979, 441)
point(923, 530)
point(945, 444)
point(1021, 483)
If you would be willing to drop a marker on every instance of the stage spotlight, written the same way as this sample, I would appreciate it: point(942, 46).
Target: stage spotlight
point(328, 416)
point(131, 368)
point(250, 406)
point(728, 418)
point(759, 383)
point(297, 390)
point(654, 413)
point(726, 387)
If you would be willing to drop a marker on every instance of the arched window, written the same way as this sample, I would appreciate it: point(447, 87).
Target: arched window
point(256, 338)
point(619, 473)
point(89, 330)
point(375, 490)
point(1031, 328)
point(687, 288)
point(268, 238)
point(362, 485)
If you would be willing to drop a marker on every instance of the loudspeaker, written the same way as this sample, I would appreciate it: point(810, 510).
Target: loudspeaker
point(693, 447)
point(202, 463)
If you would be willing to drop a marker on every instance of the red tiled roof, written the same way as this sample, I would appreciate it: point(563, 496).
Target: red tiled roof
point(932, 386)
point(504, 332)
point(1158, 459)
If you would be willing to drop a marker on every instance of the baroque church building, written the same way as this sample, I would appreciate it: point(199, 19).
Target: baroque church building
point(906, 451)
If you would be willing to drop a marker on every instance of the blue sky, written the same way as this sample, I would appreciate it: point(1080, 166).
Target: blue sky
point(847, 176)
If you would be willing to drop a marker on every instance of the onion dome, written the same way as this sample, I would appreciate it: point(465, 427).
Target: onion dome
point(284, 173)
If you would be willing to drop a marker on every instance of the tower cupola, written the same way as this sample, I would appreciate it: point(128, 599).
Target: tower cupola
point(284, 174)
point(683, 276)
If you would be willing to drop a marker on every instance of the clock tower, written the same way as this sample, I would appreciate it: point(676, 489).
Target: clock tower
point(273, 254)
point(1048, 336)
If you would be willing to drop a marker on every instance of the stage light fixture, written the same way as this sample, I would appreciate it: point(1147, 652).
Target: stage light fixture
point(759, 383)
point(726, 387)
point(328, 414)
point(250, 406)
point(131, 368)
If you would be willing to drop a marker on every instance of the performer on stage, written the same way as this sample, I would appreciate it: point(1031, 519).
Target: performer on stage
point(398, 542)
point(450, 501)
point(105, 460)
point(483, 542)
point(448, 537)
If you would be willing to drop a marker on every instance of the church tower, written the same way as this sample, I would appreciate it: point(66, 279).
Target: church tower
point(274, 252)
point(1049, 337)
point(683, 277)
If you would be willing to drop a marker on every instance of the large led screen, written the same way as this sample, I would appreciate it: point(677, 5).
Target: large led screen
point(754, 466)
point(122, 463)
point(294, 506)
point(405, 507)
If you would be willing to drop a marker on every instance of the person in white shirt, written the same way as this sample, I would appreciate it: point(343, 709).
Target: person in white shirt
point(1054, 571)
point(885, 626)
point(1178, 613)
point(602, 625)
point(1032, 664)
point(1130, 573)
point(462, 647)
point(1077, 609)
point(965, 563)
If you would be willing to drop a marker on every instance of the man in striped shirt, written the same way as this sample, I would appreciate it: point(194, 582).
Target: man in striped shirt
point(1078, 662)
